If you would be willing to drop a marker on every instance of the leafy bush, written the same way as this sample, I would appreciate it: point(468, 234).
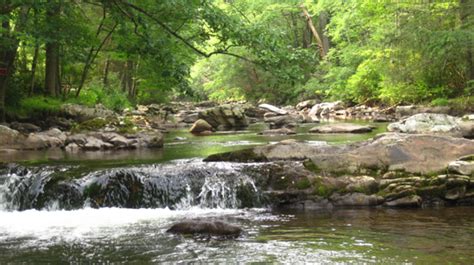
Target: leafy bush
point(440, 102)
point(38, 105)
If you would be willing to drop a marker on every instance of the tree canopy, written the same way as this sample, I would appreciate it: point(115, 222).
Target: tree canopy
point(124, 52)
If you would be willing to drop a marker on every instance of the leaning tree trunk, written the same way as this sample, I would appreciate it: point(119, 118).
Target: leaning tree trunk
point(316, 35)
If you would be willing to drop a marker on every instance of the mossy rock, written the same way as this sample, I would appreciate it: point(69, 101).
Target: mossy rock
point(245, 155)
point(303, 184)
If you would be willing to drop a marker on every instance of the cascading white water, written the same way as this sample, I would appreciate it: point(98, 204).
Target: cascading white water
point(179, 185)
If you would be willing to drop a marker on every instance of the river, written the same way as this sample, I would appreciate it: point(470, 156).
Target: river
point(138, 235)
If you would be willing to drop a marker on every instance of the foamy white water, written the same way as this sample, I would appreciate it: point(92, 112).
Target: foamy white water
point(71, 225)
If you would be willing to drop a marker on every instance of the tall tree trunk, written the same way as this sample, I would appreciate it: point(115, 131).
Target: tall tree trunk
point(323, 21)
point(466, 8)
point(294, 23)
point(52, 53)
point(105, 80)
point(51, 68)
point(316, 35)
point(8, 51)
point(33, 70)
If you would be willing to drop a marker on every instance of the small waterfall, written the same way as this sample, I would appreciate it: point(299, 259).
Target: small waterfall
point(178, 185)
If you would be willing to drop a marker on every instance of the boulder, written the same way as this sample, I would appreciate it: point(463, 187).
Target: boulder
point(324, 109)
point(281, 131)
point(150, 139)
point(212, 228)
point(307, 104)
point(24, 127)
point(82, 113)
point(356, 199)
point(274, 109)
point(408, 201)
point(276, 122)
point(409, 110)
point(341, 128)
point(413, 153)
point(430, 123)
point(462, 167)
point(225, 117)
point(8, 136)
point(200, 126)
point(95, 144)
point(53, 138)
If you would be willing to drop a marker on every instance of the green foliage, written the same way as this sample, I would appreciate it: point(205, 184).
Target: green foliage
point(125, 52)
point(440, 102)
point(38, 105)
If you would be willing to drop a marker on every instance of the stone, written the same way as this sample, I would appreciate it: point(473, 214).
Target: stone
point(213, 228)
point(72, 147)
point(341, 128)
point(307, 104)
point(281, 121)
point(94, 144)
point(356, 199)
point(462, 167)
point(82, 113)
point(409, 110)
point(468, 117)
point(455, 193)
point(281, 131)
point(149, 139)
point(467, 129)
point(429, 123)
point(274, 109)
point(200, 126)
point(53, 138)
point(413, 153)
point(25, 127)
point(324, 109)
point(8, 136)
point(225, 117)
point(408, 201)
point(363, 184)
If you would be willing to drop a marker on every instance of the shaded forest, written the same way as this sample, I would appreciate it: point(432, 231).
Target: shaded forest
point(121, 52)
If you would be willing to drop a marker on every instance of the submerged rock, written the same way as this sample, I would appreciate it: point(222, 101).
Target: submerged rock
point(281, 131)
point(341, 128)
point(213, 228)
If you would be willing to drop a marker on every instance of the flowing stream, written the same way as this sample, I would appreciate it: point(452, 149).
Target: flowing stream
point(116, 207)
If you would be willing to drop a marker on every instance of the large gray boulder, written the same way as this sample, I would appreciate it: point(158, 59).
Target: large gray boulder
point(431, 123)
point(324, 109)
point(415, 153)
point(83, 113)
point(52, 138)
point(225, 117)
point(8, 137)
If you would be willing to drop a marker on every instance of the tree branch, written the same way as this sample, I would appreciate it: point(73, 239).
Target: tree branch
point(176, 35)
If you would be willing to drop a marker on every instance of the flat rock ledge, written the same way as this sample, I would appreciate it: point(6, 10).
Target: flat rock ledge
point(390, 170)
